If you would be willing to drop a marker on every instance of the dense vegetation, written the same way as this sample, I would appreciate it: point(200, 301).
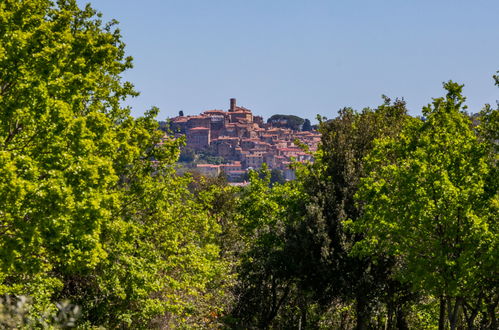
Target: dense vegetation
point(393, 226)
point(289, 121)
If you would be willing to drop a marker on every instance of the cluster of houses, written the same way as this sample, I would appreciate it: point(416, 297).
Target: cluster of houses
point(244, 141)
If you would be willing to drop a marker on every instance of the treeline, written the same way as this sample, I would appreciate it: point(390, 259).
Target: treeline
point(289, 121)
point(394, 225)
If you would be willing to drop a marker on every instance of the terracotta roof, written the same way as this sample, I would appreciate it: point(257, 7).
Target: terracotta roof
point(241, 109)
point(208, 165)
point(224, 137)
point(215, 110)
point(230, 165)
point(236, 171)
point(218, 112)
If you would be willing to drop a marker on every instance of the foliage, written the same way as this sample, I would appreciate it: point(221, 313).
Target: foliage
point(428, 202)
point(164, 126)
point(276, 176)
point(307, 126)
point(187, 155)
point(321, 243)
point(208, 158)
point(90, 207)
point(264, 284)
point(92, 210)
point(14, 314)
point(59, 100)
point(289, 121)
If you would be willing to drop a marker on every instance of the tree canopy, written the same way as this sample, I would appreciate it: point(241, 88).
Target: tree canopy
point(91, 209)
point(428, 201)
point(394, 224)
point(289, 121)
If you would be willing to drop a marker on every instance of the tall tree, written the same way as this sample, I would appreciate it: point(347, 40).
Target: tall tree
point(307, 126)
point(321, 242)
point(288, 121)
point(427, 202)
point(59, 99)
point(90, 209)
point(265, 279)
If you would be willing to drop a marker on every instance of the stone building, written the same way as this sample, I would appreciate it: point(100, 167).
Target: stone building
point(243, 140)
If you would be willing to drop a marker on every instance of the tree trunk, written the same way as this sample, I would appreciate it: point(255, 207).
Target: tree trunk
point(401, 321)
point(491, 308)
point(304, 316)
point(441, 317)
point(275, 305)
point(454, 312)
point(389, 317)
point(362, 314)
point(470, 315)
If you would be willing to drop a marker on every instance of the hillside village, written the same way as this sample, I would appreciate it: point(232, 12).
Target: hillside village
point(243, 141)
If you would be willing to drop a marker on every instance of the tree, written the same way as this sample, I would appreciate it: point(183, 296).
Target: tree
point(90, 207)
point(187, 155)
point(265, 281)
point(321, 243)
point(276, 176)
point(307, 126)
point(289, 121)
point(59, 99)
point(427, 201)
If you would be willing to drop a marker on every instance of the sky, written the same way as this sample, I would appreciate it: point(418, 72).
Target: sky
point(305, 57)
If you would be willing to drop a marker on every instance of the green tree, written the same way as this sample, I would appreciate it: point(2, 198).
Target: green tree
point(90, 207)
point(321, 243)
point(59, 101)
point(427, 201)
point(265, 283)
point(289, 121)
point(307, 126)
point(187, 155)
point(276, 176)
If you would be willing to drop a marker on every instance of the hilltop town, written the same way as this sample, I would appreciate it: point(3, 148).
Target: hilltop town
point(243, 141)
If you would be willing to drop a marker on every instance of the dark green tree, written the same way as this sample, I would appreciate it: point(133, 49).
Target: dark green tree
point(288, 121)
point(307, 126)
point(276, 176)
point(265, 283)
point(320, 241)
point(187, 155)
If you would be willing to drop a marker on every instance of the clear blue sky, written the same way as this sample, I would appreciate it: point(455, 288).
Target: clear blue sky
point(305, 57)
